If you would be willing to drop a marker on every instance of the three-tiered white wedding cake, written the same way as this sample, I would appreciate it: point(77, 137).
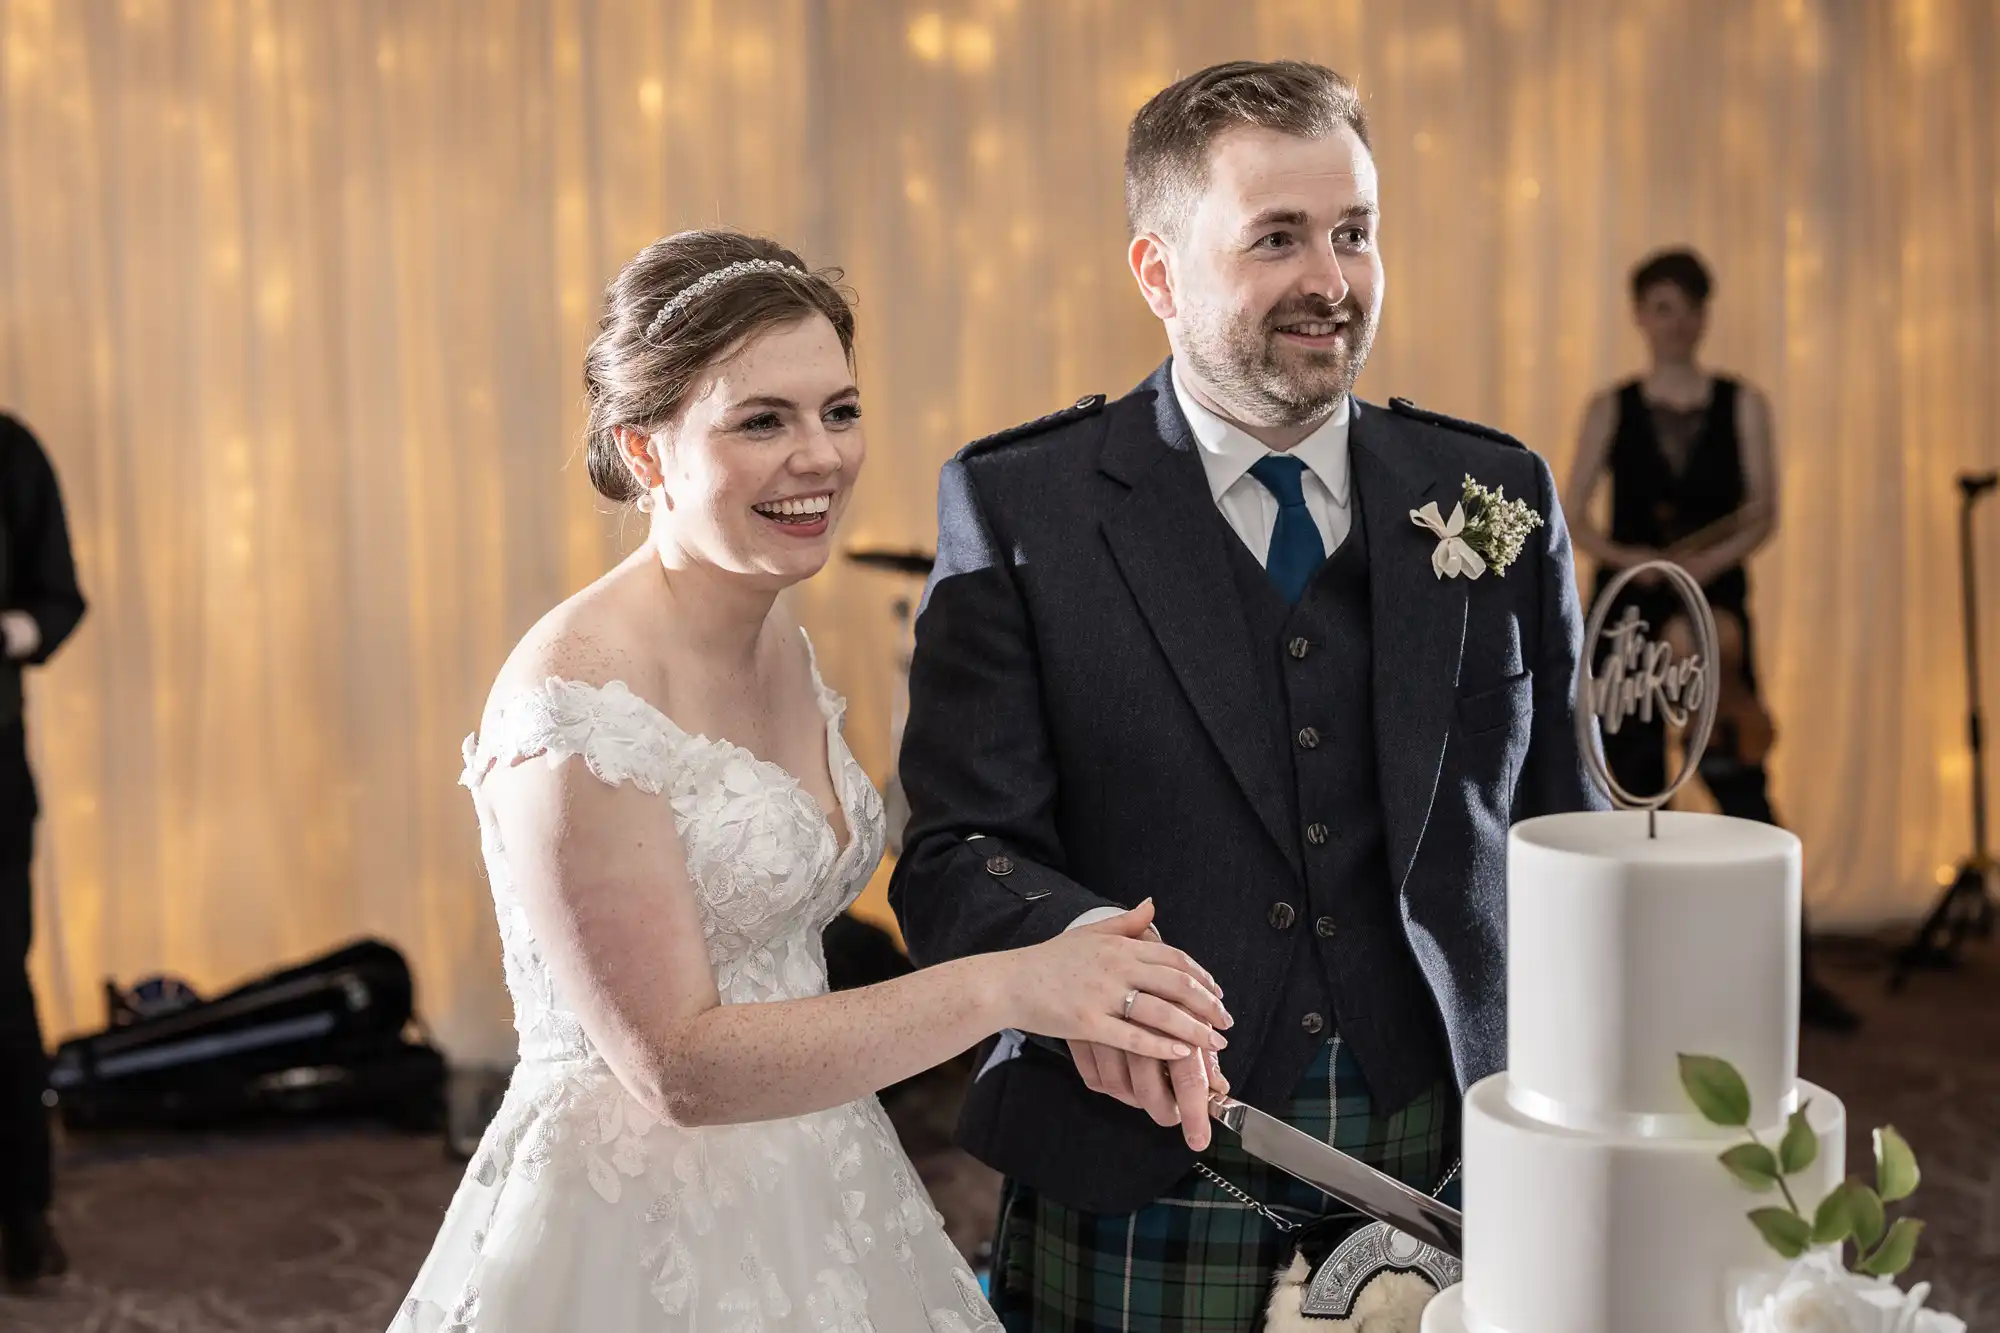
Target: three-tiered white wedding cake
point(1594, 1201)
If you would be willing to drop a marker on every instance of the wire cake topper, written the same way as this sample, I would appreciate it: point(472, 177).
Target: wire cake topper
point(1642, 678)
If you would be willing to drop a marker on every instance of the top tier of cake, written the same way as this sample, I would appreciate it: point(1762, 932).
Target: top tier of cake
point(1624, 951)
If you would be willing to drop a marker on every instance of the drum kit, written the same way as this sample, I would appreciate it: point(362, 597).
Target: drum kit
point(910, 568)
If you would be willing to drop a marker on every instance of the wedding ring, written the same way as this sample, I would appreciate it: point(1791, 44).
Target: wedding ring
point(1131, 998)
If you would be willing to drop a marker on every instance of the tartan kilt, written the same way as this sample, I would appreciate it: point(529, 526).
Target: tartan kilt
point(1197, 1260)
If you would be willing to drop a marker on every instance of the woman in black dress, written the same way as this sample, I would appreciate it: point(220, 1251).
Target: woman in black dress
point(1693, 474)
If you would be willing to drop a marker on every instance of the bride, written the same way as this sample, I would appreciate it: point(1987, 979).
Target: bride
point(670, 817)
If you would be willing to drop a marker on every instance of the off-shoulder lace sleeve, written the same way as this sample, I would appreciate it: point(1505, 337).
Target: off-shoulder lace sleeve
point(620, 736)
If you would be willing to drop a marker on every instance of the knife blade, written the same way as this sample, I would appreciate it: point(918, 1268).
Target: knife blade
point(1351, 1181)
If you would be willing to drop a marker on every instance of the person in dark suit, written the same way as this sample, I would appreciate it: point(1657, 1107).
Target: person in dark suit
point(1191, 645)
point(39, 607)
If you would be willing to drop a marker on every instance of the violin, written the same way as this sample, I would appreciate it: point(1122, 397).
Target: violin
point(1743, 725)
point(1744, 728)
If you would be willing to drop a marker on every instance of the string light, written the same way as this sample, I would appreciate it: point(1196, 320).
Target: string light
point(926, 35)
point(972, 47)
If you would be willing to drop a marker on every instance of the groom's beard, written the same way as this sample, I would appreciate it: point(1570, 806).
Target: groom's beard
point(1253, 370)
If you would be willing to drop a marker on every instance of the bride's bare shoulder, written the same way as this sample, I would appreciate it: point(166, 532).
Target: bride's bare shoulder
point(594, 637)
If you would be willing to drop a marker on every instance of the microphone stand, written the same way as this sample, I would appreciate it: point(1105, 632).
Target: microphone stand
point(1965, 908)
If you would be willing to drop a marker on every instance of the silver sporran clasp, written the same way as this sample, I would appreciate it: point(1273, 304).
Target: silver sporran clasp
point(1365, 1255)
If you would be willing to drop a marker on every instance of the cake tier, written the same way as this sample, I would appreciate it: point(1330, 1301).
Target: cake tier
point(1569, 1232)
point(1446, 1312)
point(1624, 951)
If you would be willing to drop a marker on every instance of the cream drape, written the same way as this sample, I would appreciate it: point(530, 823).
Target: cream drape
point(295, 294)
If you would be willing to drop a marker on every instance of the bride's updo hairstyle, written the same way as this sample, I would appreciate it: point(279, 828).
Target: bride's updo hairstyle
point(681, 304)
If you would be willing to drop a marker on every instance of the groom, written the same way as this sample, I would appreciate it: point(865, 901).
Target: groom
point(1189, 645)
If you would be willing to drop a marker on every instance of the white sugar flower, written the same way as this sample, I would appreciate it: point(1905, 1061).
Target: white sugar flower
point(1817, 1295)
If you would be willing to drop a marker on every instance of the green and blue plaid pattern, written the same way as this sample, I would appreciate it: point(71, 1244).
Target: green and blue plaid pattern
point(1198, 1260)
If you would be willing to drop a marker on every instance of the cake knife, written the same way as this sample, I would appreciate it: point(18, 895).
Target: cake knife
point(1351, 1181)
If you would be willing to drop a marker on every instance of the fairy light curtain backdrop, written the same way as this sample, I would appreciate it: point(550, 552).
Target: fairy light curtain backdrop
point(295, 293)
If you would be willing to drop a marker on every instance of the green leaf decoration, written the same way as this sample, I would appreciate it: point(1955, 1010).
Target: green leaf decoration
point(1800, 1145)
point(1753, 1166)
point(1783, 1230)
point(1716, 1089)
point(1833, 1222)
point(1898, 1248)
point(1866, 1206)
point(1896, 1174)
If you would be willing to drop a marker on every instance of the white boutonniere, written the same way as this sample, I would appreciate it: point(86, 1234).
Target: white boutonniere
point(1492, 534)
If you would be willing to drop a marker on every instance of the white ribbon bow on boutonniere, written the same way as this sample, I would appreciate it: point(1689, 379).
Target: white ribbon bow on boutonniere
point(1491, 537)
point(1452, 556)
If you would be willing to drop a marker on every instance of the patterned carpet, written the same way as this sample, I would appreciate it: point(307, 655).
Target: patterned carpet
point(320, 1231)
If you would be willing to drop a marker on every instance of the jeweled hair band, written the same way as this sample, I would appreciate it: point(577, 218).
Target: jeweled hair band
point(708, 282)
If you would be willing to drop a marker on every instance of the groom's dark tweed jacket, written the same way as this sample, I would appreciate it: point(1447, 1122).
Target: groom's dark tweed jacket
point(1094, 720)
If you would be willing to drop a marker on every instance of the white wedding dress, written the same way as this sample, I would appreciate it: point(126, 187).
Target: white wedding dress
point(581, 1211)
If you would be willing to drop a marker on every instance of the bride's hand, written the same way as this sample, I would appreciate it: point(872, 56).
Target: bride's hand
point(1077, 987)
point(1172, 1092)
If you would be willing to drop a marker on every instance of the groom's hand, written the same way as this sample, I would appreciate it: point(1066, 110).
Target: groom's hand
point(1171, 1092)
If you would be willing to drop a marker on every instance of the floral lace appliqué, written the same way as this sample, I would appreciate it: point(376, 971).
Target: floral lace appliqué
point(814, 1222)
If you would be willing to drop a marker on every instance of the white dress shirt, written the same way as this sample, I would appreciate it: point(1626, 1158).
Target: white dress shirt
point(1227, 454)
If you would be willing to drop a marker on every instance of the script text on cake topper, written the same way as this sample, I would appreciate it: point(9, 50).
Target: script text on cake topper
point(1641, 676)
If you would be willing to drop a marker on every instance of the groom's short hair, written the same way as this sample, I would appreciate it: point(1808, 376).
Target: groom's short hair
point(1166, 149)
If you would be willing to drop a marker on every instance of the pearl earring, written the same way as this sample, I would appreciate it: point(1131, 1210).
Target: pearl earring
point(644, 504)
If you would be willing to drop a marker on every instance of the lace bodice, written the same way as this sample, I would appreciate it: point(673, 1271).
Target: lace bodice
point(767, 868)
point(582, 1209)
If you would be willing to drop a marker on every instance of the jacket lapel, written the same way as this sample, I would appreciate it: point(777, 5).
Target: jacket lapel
point(1169, 542)
point(1418, 628)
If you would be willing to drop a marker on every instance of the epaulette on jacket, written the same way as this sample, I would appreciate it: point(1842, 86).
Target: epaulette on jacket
point(1089, 405)
point(1404, 407)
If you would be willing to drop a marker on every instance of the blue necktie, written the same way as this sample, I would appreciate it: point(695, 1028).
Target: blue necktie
point(1297, 550)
